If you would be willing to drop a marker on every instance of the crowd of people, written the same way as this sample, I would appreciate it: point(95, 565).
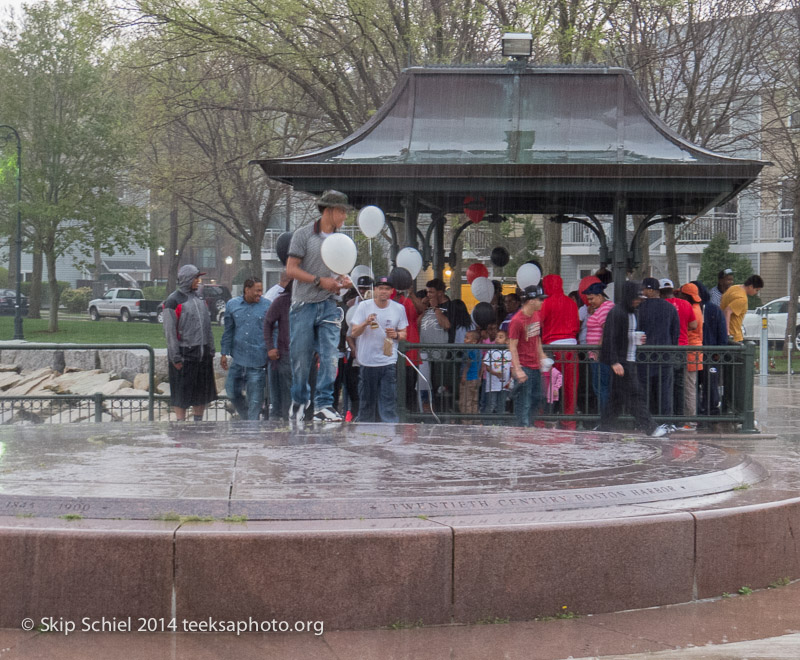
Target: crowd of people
point(327, 357)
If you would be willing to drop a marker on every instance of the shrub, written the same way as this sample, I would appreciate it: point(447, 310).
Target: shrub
point(76, 301)
point(154, 292)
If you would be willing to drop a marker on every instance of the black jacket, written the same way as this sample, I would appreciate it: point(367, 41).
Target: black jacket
point(615, 332)
point(659, 321)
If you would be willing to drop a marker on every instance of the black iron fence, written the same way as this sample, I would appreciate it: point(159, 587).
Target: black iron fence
point(724, 388)
point(721, 389)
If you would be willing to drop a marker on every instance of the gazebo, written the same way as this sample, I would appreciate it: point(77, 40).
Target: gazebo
point(573, 143)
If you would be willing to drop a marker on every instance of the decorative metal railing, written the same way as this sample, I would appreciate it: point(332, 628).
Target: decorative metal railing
point(725, 393)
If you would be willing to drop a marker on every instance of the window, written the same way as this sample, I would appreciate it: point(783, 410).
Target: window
point(714, 123)
point(731, 206)
point(207, 258)
point(787, 194)
point(794, 119)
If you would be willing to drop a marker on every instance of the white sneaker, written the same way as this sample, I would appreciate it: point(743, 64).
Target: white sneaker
point(660, 431)
point(328, 414)
point(297, 411)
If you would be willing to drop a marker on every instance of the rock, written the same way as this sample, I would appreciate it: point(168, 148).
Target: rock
point(9, 379)
point(142, 382)
point(128, 373)
point(80, 359)
point(131, 391)
point(30, 382)
point(59, 363)
point(116, 360)
point(163, 388)
point(114, 386)
point(10, 367)
point(29, 360)
point(64, 383)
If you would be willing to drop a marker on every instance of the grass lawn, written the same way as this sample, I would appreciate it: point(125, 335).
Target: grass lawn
point(107, 331)
point(781, 362)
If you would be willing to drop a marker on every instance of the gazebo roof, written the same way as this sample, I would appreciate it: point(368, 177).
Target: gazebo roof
point(532, 140)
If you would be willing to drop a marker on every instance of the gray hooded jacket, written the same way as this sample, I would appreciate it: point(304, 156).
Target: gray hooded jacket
point(187, 323)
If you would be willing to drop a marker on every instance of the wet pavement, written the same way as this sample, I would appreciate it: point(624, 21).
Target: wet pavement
point(274, 472)
point(764, 624)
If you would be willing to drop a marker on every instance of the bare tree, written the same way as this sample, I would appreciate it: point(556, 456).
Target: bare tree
point(696, 64)
point(779, 82)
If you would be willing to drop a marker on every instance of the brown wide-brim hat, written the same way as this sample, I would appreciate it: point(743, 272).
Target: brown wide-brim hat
point(334, 199)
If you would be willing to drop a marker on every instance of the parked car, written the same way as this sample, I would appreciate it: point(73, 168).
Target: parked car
point(8, 302)
point(776, 322)
point(124, 305)
point(216, 297)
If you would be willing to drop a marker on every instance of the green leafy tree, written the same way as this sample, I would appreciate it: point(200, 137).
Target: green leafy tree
point(717, 256)
point(59, 91)
point(523, 240)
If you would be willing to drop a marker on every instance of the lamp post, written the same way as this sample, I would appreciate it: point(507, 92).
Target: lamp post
point(160, 252)
point(18, 304)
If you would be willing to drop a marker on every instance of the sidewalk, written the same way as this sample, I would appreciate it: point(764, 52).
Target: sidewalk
point(761, 625)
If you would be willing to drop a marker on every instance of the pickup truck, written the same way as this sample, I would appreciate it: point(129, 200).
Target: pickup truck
point(124, 305)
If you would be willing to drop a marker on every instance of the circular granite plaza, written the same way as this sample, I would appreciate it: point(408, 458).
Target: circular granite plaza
point(366, 525)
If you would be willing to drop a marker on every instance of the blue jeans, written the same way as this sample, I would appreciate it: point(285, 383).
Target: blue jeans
point(280, 385)
point(315, 328)
point(246, 383)
point(377, 394)
point(527, 397)
point(601, 383)
point(493, 403)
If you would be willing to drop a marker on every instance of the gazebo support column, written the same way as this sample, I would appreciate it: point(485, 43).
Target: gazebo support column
point(438, 246)
point(619, 264)
point(411, 210)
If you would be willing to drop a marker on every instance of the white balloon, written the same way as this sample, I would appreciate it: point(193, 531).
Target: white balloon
point(350, 313)
point(360, 271)
point(371, 220)
point(482, 289)
point(528, 275)
point(339, 253)
point(411, 260)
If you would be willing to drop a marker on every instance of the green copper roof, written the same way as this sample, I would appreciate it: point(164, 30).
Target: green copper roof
point(531, 140)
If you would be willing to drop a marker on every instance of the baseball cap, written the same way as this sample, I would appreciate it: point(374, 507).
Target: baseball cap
point(532, 292)
point(691, 290)
point(651, 283)
point(594, 289)
point(364, 280)
point(665, 284)
point(724, 272)
point(383, 281)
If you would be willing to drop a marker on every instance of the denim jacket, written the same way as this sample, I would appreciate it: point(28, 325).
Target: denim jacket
point(243, 338)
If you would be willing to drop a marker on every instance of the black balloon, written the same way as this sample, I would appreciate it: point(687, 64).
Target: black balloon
point(282, 246)
point(400, 278)
point(500, 256)
point(483, 314)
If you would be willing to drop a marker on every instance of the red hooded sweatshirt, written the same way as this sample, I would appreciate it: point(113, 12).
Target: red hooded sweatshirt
point(559, 314)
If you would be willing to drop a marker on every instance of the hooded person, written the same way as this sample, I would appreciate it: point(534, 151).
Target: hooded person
point(715, 333)
point(694, 360)
point(618, 350)
point(659, 321)
point(190, 346)
point(560, 327)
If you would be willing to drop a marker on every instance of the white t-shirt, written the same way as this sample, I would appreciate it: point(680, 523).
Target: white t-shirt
point(273, 292)
point(497, 360)
point(369, 345)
